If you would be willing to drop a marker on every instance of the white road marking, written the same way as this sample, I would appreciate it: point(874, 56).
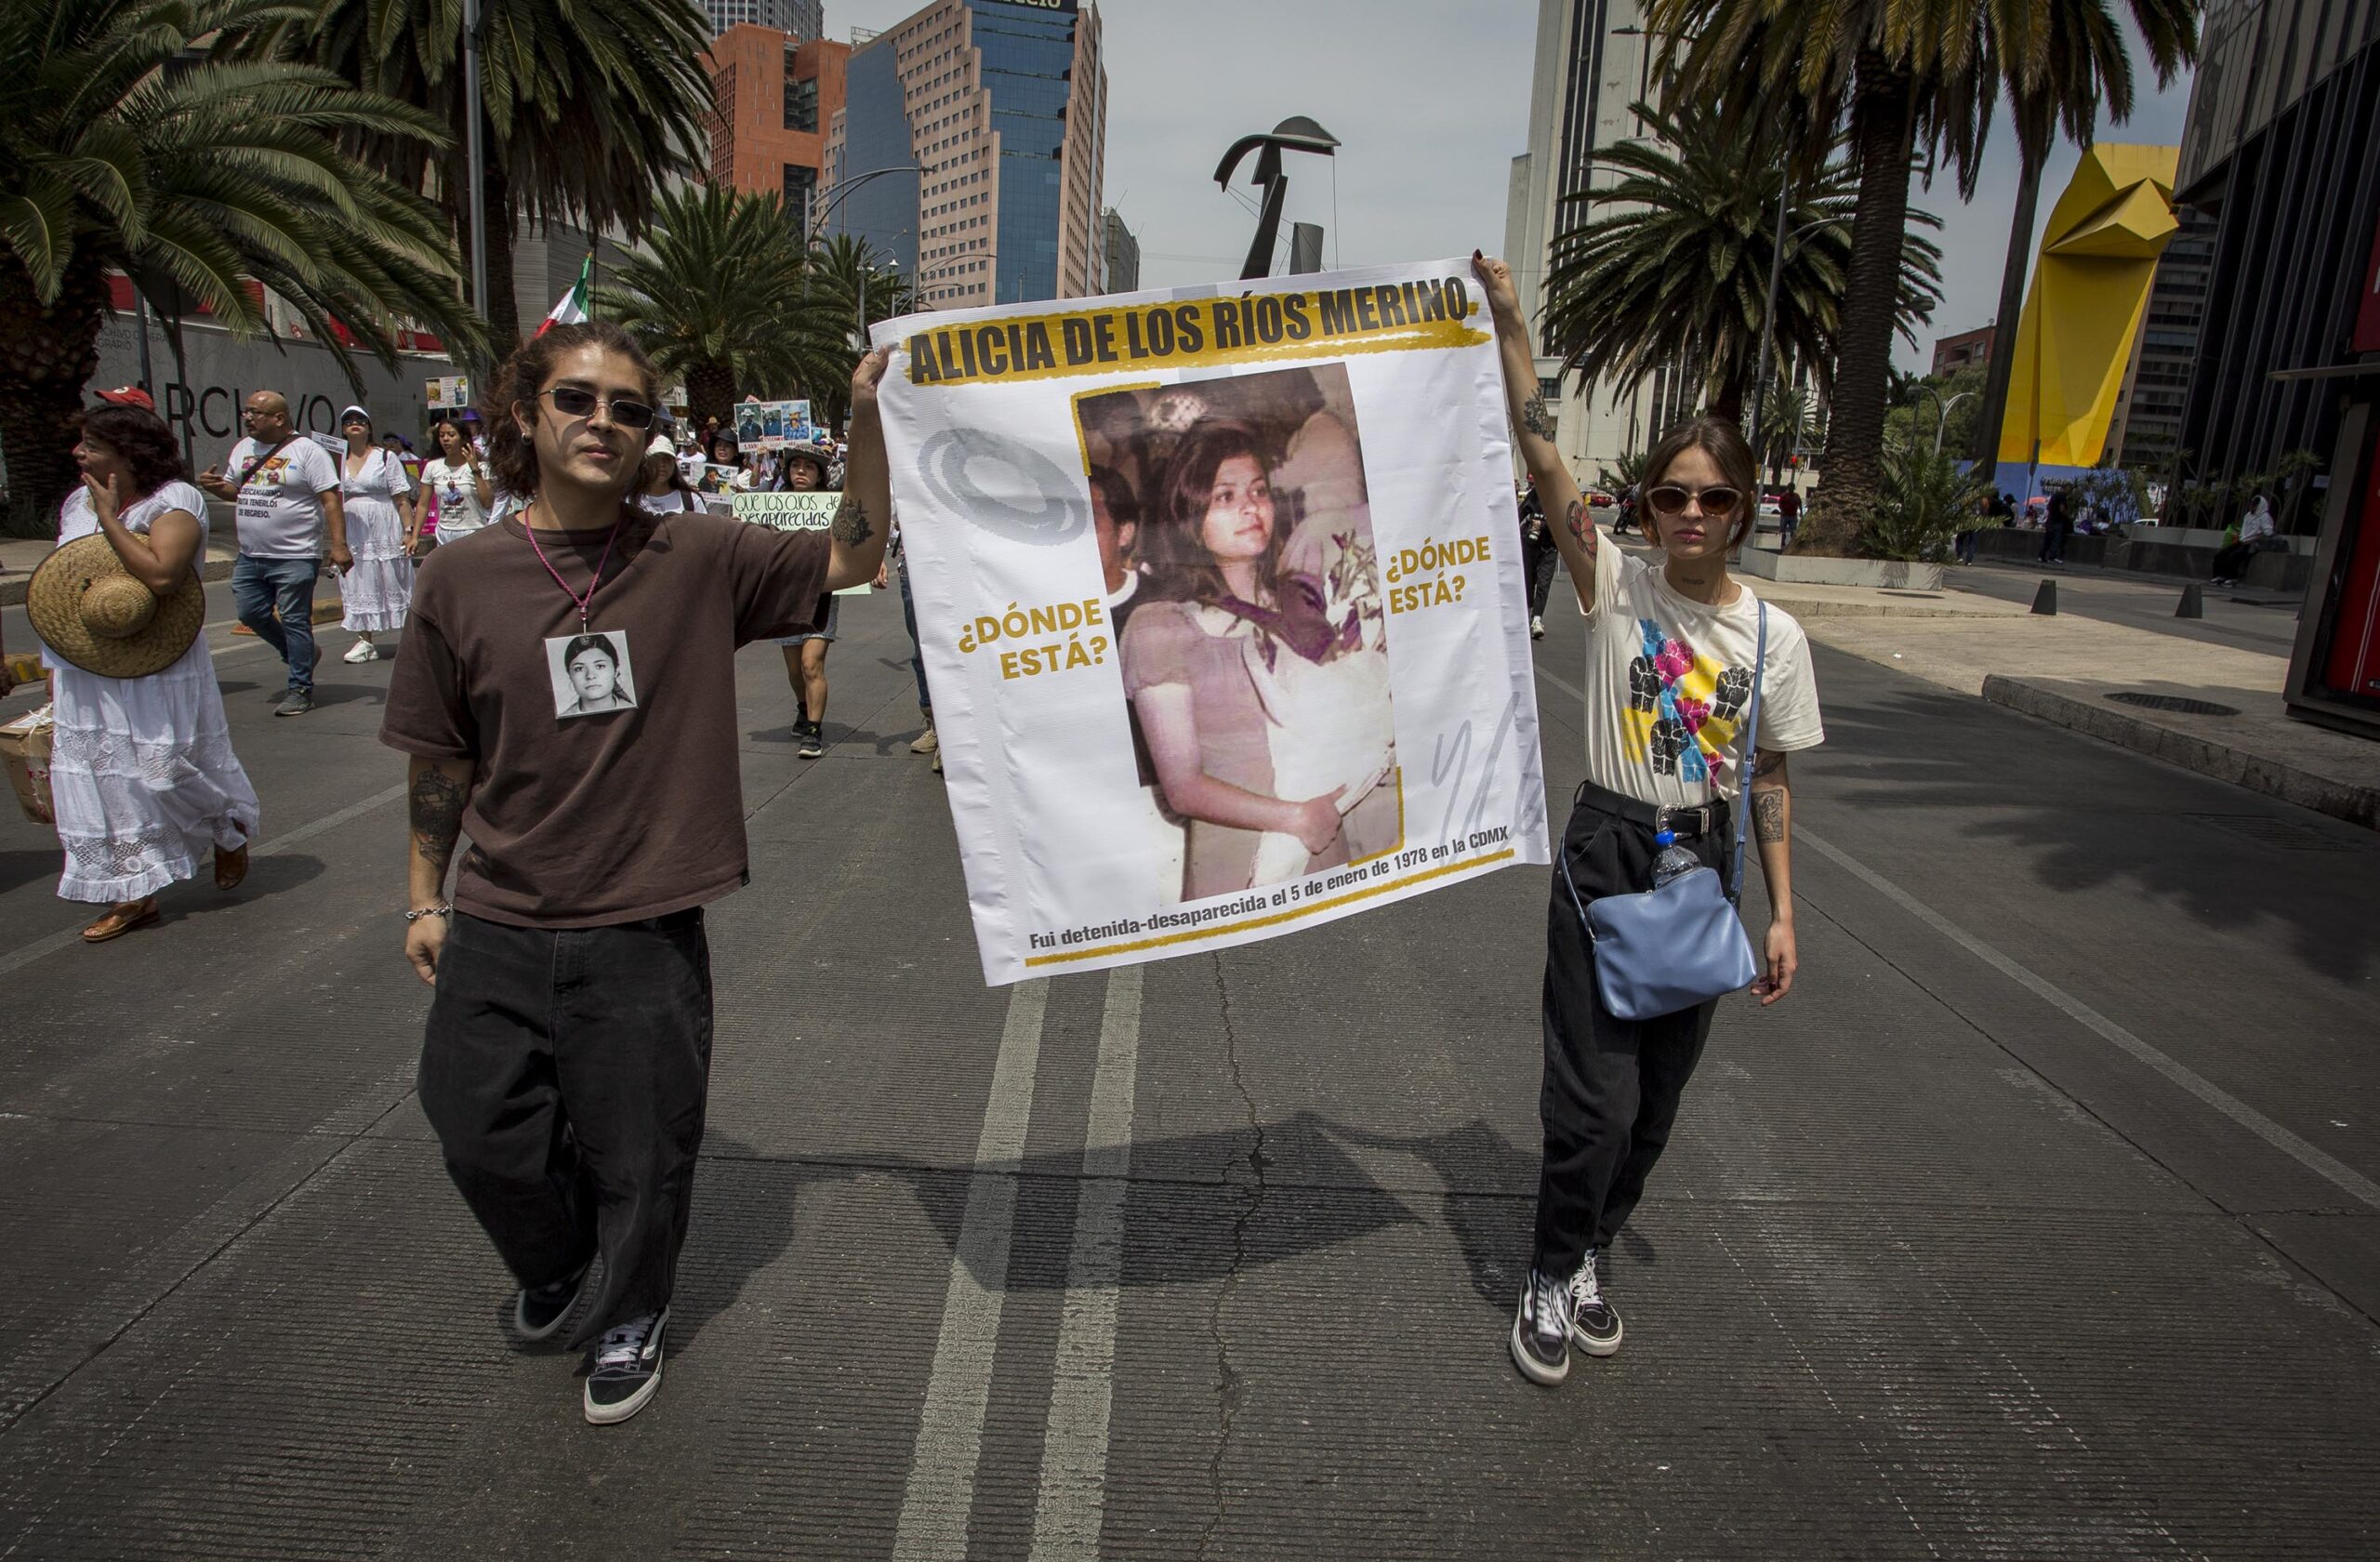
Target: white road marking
point(950, 1429)
point(25, 955)
point(2314, 1159)
point(1072, 1507)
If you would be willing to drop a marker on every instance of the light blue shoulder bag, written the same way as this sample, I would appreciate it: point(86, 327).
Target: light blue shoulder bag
point(1682, 943)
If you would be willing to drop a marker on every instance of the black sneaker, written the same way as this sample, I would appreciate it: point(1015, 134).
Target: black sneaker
point(1594, 1325)
point(1541, 1329)
point(812, 737)
point(538, 1310)
point(627, 1368)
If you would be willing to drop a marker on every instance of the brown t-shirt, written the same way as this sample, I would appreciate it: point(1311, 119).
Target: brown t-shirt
point(623, 813)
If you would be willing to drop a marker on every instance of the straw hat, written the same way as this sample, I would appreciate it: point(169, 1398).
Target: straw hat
point(87, 607)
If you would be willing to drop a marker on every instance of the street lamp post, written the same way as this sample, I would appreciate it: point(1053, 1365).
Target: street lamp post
point(1942, 410)
point(845, 187)
point(1769, 311)
point(474, 155)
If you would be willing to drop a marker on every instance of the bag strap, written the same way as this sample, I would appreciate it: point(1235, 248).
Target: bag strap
point(1751, 739)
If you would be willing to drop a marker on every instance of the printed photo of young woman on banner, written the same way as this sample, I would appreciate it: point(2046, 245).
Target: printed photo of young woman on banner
point(1221, 603)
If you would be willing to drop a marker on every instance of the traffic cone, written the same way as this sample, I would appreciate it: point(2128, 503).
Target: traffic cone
point(2194, 603)
point(2045, 600)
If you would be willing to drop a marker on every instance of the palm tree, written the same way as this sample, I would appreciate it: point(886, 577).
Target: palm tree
point(865, 287)
point(722, 297)
point(1907, 74)
point(163, 139)
point(1676, 267)
point(592, 106)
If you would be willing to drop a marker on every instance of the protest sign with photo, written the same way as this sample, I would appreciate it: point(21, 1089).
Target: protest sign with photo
point(773, 425)
point(1220, 597)
point(790, 511)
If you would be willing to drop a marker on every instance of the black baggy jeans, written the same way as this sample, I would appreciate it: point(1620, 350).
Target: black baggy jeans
point(1612, 1086)
point(565, 1072)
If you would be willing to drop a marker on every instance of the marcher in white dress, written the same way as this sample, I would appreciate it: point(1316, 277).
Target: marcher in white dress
point(378, 590)
point(143, 768)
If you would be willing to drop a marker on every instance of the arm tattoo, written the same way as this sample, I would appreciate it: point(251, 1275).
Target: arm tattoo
point(1535, 419)
point(851, 527)
point(434, 807)
point(1580, 525)
point(1769, 784)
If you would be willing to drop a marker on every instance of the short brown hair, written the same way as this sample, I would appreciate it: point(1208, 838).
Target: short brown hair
point(1723, 443)
point(512, 455)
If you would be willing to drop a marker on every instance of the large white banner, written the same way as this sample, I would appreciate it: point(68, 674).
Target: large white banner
point(1221, 600)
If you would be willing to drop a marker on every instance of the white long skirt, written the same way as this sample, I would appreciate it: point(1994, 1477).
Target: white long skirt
point(379, 592)
point(145, 780)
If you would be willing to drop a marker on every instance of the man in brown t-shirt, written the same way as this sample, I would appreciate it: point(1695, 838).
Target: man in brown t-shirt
point(566, 692)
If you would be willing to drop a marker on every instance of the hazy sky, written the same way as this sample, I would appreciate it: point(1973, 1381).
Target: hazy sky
point(1430, 104)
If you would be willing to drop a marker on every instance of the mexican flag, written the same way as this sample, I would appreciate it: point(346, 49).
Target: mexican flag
point(571, 308)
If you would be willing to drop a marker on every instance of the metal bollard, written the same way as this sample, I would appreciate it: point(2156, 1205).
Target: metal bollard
point(2194, 603)
point(2045, 600)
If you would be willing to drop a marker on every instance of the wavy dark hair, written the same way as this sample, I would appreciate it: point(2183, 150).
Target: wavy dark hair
point(512, 455)
point(144, 442)
point(1172, 544)
point(1723, 443)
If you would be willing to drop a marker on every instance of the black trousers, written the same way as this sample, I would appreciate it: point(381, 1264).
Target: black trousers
point(566, 1072)
point(1612, 1086)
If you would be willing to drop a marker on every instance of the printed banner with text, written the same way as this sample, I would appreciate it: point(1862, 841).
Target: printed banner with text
point(1221, 600)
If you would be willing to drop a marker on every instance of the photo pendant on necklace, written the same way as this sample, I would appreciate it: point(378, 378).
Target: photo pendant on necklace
point(590, 674)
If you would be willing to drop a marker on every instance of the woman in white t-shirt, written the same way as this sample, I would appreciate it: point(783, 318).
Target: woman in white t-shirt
point(1671, 645)
point(659, 489)
point(458, 479)
point(378, 593)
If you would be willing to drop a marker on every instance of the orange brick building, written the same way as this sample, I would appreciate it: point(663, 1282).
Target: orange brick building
point(776, 98)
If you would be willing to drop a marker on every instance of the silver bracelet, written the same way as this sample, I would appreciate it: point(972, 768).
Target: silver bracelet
point(447, 911)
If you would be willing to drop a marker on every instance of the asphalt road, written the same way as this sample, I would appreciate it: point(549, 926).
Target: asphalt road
point(2040, 1220)
point(2244, 618)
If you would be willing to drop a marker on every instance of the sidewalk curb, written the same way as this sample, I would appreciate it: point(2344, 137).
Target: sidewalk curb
point(12, 591)
point(2256, 773)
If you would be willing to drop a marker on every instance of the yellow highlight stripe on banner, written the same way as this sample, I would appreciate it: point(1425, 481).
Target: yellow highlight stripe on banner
point(1197, 333)
point(1294, 914)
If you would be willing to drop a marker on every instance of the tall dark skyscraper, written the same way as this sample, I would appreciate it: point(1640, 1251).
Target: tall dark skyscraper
point(1002, 106)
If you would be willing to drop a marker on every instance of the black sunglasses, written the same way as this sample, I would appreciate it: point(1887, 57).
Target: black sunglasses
point(572, 401)
point(1717, 503)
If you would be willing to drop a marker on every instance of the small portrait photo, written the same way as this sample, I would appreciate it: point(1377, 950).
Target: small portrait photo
point(749, 421)
point(1235, 536)
point(772, 420)
point(590, 674)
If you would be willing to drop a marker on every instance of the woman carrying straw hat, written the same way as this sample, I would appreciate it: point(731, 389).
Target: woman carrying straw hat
point(143, 767)
point(378, 590)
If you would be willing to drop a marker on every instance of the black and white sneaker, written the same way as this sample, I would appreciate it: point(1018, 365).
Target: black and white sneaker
point(1594, 1325)
point(627, 1368)
point(538, 1311)
point(811, 738)
point(1541, 1329)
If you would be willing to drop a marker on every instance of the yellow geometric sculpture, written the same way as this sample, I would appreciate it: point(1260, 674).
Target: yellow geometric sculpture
point(2083, 311)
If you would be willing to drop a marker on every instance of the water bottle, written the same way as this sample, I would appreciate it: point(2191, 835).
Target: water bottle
point(1673, 860)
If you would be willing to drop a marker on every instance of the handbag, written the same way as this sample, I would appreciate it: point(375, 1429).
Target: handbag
point(1682, 943)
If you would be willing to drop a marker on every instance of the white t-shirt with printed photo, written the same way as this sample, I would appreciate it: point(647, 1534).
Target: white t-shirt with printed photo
point(456, 485)
point(280, 506)
point(1669, 681)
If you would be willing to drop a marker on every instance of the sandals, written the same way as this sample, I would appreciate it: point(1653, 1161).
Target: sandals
point(122, 919)
point(230, 867)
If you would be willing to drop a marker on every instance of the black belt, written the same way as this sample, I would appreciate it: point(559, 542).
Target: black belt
point(1705, 818)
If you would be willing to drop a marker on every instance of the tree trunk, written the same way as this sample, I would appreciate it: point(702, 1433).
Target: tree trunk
point(1882, 133)
point(503, 309)
point(1729, 402)
point(1993, 414)
point(711, 393)
point(50, 353)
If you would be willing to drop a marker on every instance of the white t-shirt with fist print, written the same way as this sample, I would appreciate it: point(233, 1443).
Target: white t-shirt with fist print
point(1669, 684)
